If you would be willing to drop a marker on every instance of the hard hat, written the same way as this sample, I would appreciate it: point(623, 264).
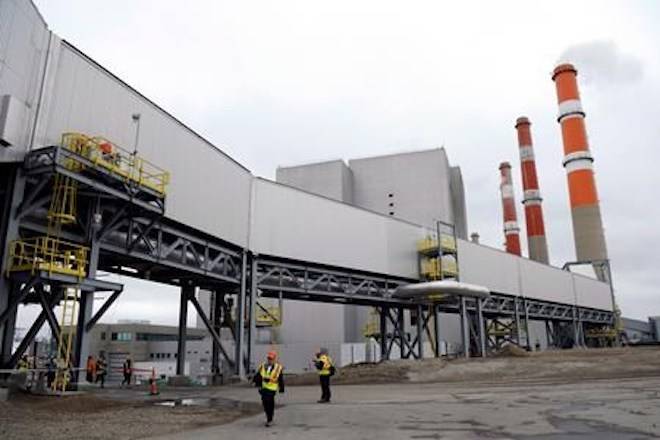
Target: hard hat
point(272, 355)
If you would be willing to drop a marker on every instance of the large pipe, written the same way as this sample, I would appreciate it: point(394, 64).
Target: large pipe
point(578, 162)
point(511, 229)
point(536, 241)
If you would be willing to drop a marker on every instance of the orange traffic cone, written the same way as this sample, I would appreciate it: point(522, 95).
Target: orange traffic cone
point(153, 386)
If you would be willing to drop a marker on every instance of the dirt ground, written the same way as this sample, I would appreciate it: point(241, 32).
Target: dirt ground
point(91, 417)
point(510, 365)
point(131, 414)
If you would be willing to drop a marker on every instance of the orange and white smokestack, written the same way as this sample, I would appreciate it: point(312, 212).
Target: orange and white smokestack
point(511, 229)
point(578, 162)
point(536, 241)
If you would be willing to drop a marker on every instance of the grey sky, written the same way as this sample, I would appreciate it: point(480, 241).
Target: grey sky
point(289, 82)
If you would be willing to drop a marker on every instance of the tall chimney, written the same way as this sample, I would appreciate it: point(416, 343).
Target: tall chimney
point(536, 242)
point(511, 229)
point(578, 162)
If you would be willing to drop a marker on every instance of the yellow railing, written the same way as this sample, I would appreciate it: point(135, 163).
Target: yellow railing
point(429, 244)
point(435, 268)
point(47, 254)
point(115, 159)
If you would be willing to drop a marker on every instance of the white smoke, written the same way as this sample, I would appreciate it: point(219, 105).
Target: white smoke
point(602, 62)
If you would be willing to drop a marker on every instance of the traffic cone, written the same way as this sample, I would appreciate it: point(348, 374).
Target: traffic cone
point(153, 386)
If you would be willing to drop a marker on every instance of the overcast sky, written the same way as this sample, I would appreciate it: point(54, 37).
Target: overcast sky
point(276, 83)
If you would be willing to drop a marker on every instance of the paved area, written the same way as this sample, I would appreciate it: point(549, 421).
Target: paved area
point(599, 409)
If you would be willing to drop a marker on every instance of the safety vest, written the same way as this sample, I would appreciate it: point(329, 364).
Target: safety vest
point(270, 378)
point(327, 363)
point(23, 365)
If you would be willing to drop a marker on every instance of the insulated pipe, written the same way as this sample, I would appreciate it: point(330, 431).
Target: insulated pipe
point(511, 229)
point(578, 162)
point(536, 241)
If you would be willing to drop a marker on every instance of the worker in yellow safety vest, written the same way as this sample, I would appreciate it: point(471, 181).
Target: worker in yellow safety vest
point(270, 380)
point(326, 368)
point(23, 364)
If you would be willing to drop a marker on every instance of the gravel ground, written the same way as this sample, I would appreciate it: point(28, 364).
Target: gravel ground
point(129, 414)
point(91, 417)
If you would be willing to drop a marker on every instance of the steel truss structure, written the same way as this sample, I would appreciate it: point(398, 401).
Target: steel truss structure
point(127, 232)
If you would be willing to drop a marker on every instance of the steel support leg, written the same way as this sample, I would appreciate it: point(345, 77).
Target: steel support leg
point(402, 335)
point(481, 331)
point(252, 304)
point(516, 304)
point(465, 329)
point(527, 335)
point(384, 352)
point(240, 319)
point(217, 299)
point(420, 332)
point(14, 185)
point(436, 328)
point(186, 292)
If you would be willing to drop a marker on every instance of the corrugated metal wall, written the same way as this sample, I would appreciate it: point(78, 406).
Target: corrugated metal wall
point(292, 223)
point(506, 273)
point(208, 191)
point(23, 48)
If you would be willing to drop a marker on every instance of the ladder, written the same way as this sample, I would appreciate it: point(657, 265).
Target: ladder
point(66, 337)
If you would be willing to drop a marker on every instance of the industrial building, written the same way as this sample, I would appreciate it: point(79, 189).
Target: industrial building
point(96, 177)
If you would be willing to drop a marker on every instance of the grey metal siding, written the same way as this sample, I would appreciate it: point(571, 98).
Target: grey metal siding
point(23, 48)
point(295, 224)
point(208, 190)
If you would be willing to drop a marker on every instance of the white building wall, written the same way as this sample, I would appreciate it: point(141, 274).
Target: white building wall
point(23, 48)
point(84, 97)
point(331, 179)
point(412, 186)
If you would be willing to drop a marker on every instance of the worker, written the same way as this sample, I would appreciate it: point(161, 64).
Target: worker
point(324, 364)
point(269, 379)
point(23, 364)
point(51, 371)
point(127, 369)
point(90, 369)
point(101, 370)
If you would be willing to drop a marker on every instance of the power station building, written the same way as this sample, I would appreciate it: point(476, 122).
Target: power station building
point(97, 177)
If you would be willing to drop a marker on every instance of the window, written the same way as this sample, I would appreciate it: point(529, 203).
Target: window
point(151, 355)
point(391, 213)
point(103, 336)
point(122, 336)
point(169, 355)
point(390, 195)
point(391, 204)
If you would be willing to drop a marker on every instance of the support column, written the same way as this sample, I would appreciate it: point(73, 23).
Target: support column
point(420, 333)
point(516, 305)
point(401, 326)
point(186, 292)
point(240, 319)
point(384, 352)
point(480, 328)
point(252, 327)
point(86, 306)
point(436, 327)
point(465, 330)
point(217, 299)
point(528, 339)
point(15, 187)
point(576, 328)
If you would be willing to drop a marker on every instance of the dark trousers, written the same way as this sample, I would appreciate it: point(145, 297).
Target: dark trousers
point(127, 379)
point(325, 388)
point(100, 378)
point(268, 401)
